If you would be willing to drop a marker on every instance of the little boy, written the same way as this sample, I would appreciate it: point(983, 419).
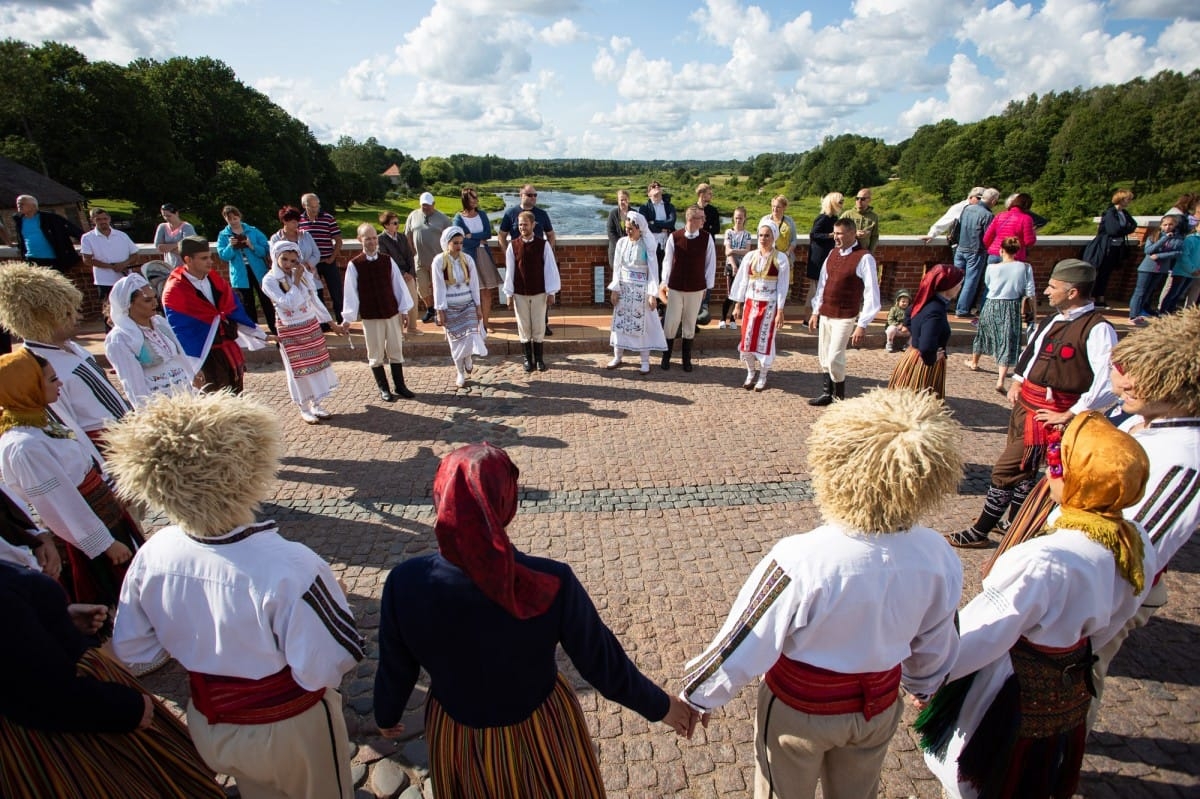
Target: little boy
point(897, 317)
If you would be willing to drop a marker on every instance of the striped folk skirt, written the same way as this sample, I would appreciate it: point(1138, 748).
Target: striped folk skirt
point(96, 580)
point(546, 756)
point(159, 761)
point(911, 372)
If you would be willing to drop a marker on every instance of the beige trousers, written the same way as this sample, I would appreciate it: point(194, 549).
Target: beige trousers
point(793, 750)
point(1104, 656)
point(385, 341)
point(682, 306)
point(414, 313)
point(304, 757)
point(530, 310)
point(833, 336)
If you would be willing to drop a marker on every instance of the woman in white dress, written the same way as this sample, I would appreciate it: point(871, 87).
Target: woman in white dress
point(1012, 720)
point(299, 317)
point(761, 288)
point(46, 467)
point(635, 323)
point(141, 345)
point(456, 302)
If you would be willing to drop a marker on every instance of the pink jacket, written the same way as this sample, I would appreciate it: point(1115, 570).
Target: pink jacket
point(1013, 222)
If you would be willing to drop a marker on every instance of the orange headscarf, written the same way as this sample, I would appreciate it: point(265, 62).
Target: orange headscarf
point(22, 400)
point(1104, 471)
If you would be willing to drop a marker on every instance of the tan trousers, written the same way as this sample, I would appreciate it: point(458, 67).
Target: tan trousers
point(682, 306)
point(833, 337)
point(414, 312)
point(385, 342)
point(530, 310)
point(793, 750)
point(304, 757)
point(1104, 656)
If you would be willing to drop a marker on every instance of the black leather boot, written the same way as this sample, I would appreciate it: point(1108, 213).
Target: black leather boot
point(666, 359)
point(385, 391)
point(687, 354)
point(538, 358)
point(839, 390)
point(398, 379)
point(527, 348)
point(826, 397)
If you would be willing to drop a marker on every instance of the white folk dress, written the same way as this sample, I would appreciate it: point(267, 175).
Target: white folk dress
point(762, 286)
point(148, 360)
point(635, 325)
point(460, 300)
point(299, 314)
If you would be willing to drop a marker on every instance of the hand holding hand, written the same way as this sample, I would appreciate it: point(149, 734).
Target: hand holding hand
point(47, 556)
point(87, 618)
point(681, 717)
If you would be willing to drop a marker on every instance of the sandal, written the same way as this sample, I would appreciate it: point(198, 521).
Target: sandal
point(968, 540)
point(974, 367)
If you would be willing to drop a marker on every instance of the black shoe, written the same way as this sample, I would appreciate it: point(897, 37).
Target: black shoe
point(687, 355)
point(385, 393)
point(387, 396)
point(666, 356)
point(429, 316)
point(549, 332)
point(398, 379)
point(826, 397)
point(527, 348)
point(839, 390)
point(538, 358)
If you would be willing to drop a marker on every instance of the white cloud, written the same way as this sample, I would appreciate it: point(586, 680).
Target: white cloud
point(1177, 47)
point(1156, 9)
point(561, 33)
point(366, 81)
point(969, 95)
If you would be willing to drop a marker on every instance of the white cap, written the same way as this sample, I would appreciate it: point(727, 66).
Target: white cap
point(427, 199)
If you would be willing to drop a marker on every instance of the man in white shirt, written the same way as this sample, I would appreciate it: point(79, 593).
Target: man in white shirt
point(844, 303)
point(107, 251)
point(689, 270)
point(840, 617)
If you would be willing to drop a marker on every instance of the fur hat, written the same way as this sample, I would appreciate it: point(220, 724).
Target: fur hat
point(881, 460)
point(205, 460)
point(36, 301)
point(1162, 360)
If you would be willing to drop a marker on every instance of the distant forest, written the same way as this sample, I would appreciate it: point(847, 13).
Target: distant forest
point(188, 131)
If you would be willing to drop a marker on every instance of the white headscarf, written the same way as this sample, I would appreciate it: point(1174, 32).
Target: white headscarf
point(767, 222)
point(278, 248)
point(121, 297)
point(642, 225)
point(449, 233)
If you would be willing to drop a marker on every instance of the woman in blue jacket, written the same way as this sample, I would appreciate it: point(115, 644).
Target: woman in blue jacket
point(1161, 252)
point(246, 249)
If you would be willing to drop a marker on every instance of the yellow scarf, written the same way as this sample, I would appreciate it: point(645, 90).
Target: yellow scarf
point(448, 262)
point(21, 396)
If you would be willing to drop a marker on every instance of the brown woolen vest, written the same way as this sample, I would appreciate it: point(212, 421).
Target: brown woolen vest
point(1061, 363)
point(843, 287)
point(376, 300)
point(687, 270)
point(530, 260)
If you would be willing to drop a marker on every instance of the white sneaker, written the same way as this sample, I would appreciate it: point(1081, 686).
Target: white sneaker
point(732, 325)
point(319, 412)
point(761, 384)
point(308, 417)
point(721, 325)
point(460, 380)
point(613, 364)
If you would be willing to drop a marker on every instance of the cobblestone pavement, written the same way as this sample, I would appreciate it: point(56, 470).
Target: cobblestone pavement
point(662, 492)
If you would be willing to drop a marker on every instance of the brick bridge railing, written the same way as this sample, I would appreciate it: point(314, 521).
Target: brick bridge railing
point(904, 259)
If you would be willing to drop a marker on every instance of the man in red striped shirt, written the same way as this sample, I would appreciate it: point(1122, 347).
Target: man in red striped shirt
point(324, 229)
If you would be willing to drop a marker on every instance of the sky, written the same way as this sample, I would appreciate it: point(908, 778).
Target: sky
point(644, 80)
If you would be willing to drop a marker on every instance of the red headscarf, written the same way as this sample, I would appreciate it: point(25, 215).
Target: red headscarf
point(938, 278)
point(475, 495)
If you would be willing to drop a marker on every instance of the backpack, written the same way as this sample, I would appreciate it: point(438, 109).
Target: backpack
point(953, 232)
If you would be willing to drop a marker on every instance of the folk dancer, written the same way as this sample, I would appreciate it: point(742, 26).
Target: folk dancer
point(456, 300)
point(809, 615)
point(376, 292)
point(761, 288)
point(141, 345)
point(259, 622)
point(634, 287)
point(532, 280)
point(689, 270)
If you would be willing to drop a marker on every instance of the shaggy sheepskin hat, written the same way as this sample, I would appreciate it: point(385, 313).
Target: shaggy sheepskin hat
point(204, 460)
point(36, 301)
point(882, 460)
point(1162, 360)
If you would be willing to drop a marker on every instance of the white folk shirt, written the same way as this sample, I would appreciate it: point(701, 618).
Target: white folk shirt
point(87, 395)
point(45, 472)
point(465, 289)
point(351, 302)
point(1100, 342)
point(244, 605)
point(1170, 507)
point(868, 273)
point(839, 600)
point(549, 269)
point(747, 286)
point(114, 248)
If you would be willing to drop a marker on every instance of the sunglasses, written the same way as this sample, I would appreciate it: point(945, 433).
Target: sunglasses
point(863, 198)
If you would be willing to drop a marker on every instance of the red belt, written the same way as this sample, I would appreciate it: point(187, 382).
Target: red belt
point(828, 693)
point(235, 700)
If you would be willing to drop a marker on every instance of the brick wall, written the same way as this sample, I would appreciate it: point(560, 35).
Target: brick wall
point(904, 259)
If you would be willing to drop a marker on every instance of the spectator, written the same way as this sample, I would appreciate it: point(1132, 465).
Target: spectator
point(786, 242)
point(424, 228)
point(615, 228)
point(820, 237)
point(477, 229)
point(660, 216)
point(1015, 221)
point(946, 221)
point(738, 242)
point(107, 251)
point(1011, 305)
point(971, 253)
point(170, 232)
point(246, 249)
point(44, 238)
point(289, 217)
point(1107, 249)
point(394, 244)
point(325, 232)
point(1162, 248)
point(865, 220)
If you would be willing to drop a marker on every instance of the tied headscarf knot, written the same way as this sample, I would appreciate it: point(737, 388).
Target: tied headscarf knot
point(475, 495)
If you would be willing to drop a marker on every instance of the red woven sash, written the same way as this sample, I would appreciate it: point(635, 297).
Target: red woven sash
point(827, 693)
point(1035, 398)
point(234, 700)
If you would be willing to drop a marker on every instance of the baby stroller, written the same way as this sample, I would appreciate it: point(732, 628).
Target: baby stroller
point(156, 273)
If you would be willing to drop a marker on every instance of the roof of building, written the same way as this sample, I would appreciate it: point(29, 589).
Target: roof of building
point(16, 179)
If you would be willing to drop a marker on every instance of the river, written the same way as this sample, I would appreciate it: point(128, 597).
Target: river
point(571, 214)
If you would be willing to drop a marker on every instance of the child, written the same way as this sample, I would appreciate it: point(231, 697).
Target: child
point(897, 318)
point(738, 242)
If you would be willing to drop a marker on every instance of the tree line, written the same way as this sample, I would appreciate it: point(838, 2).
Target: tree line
point(187, 131)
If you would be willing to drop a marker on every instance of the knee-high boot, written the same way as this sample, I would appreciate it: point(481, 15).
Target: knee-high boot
point(527, 348)
point(687, 354)
point(385, 391)
point(398, 379)
point(666, 358)
point(538, 356)
point(826, 397)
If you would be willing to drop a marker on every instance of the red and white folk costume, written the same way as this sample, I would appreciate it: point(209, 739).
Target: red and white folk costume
point(761, 285)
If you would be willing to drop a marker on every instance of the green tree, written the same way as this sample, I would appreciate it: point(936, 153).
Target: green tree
point(436, 169)
point(242, 186)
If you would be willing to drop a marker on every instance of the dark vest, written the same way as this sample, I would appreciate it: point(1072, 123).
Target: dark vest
point(530, 260)
point(843, 287)
point(376, 298)
point(1061, 363)
point(687, 270)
